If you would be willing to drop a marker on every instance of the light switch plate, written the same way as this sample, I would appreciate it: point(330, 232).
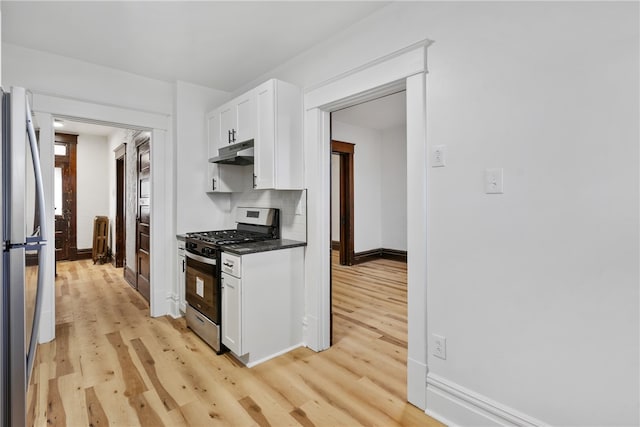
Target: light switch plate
point(438, 159)
point(493, 181)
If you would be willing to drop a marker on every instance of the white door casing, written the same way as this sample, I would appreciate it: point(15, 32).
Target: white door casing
point(163, 242)
point(404, 69)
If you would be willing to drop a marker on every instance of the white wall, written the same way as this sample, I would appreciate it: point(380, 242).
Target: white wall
point(380, 186)
point(535, 290)
point(92, 191)
point(195, 209)
point(367, 182)
point(393, 188)
point(82, 80)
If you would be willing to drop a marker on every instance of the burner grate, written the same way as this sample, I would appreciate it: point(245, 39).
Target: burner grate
point(228, 237)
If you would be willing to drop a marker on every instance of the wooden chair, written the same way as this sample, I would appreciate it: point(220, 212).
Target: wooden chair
point(100, 232)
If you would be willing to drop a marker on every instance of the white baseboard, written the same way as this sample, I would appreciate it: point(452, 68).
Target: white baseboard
point(465, 407)
point(174, 305)
point(271, 356)
point(310, 333)
point(416, 376)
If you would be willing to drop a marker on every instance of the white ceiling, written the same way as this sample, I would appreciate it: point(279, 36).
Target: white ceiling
point(382, 113)
point(221, 45)
point(81, 128)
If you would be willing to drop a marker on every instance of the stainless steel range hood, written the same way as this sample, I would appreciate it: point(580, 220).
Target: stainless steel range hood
point(239, 154)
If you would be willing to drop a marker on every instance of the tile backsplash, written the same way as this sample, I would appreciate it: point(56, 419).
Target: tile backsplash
point(292, 205)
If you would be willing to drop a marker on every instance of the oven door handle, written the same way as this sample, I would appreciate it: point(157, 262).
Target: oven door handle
point(200, 258)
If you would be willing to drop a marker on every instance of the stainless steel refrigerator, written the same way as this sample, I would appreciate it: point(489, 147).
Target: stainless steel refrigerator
point(23, 240)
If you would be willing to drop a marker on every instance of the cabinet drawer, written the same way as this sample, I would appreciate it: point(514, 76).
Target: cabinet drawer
point(231, 264)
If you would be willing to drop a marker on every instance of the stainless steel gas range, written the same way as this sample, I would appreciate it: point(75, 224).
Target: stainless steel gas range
point(203, 269)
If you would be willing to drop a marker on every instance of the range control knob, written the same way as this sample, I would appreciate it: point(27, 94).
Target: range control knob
point(207, 251)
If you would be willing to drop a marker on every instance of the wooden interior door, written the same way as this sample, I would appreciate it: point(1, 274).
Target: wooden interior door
point(121, 233)
point(65, 150)
point(345, 151)
point(143, 226)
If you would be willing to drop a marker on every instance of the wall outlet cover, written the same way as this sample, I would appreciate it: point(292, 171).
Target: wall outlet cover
point(438, 156)
point(493, 181)
point(439, 346)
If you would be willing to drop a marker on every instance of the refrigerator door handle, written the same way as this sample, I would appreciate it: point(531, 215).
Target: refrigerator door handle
point(42, 229)
point(35, 156)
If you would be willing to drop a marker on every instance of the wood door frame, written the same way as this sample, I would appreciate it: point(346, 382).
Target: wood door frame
point(345, 150)
point(121, 216)
point(71, 183)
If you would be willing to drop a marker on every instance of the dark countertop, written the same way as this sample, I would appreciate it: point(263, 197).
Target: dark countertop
point(264, 246)
point(181, 236)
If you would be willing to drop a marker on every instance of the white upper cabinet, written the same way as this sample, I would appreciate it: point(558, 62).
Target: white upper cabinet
point(227, 119)
point(271, 116)
point(245, 114)
point(221, 178)
point(237, 121)
point(279, 162)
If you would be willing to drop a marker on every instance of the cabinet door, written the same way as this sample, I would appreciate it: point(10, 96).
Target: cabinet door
point(227, 115)
point(181, 272)
point(225, 178)
point(213, 133)
point(264, 150)
point(245, 117)
point(232, 313)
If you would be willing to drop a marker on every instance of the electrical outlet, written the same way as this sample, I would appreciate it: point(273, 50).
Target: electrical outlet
point(438, 156)
point(493, 181)
point(439, 346)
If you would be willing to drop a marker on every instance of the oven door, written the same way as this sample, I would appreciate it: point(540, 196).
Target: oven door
point(202, 285)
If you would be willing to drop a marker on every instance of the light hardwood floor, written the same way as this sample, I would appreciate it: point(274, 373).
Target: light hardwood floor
point(111, 364)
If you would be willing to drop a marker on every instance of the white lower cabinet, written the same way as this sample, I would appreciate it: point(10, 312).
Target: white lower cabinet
point(182, 265)
point(262, 303)
point(231, 313)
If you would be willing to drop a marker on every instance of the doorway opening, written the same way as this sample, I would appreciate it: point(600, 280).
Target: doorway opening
point(369, 295)
point(90, 182)
point(404, 69)
point(342, 200)
point(65, 205)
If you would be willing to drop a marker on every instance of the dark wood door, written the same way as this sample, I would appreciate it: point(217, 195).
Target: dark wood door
point(65, 196)
point(143, 226)
point(121, 232)
point(345, 150)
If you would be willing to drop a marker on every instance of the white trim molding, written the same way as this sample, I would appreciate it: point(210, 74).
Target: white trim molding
point(404, 69)
point(47, 107)
point(466, 407)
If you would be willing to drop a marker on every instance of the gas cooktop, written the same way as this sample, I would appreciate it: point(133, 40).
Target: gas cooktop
point(254, 225)
point(228, 237)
